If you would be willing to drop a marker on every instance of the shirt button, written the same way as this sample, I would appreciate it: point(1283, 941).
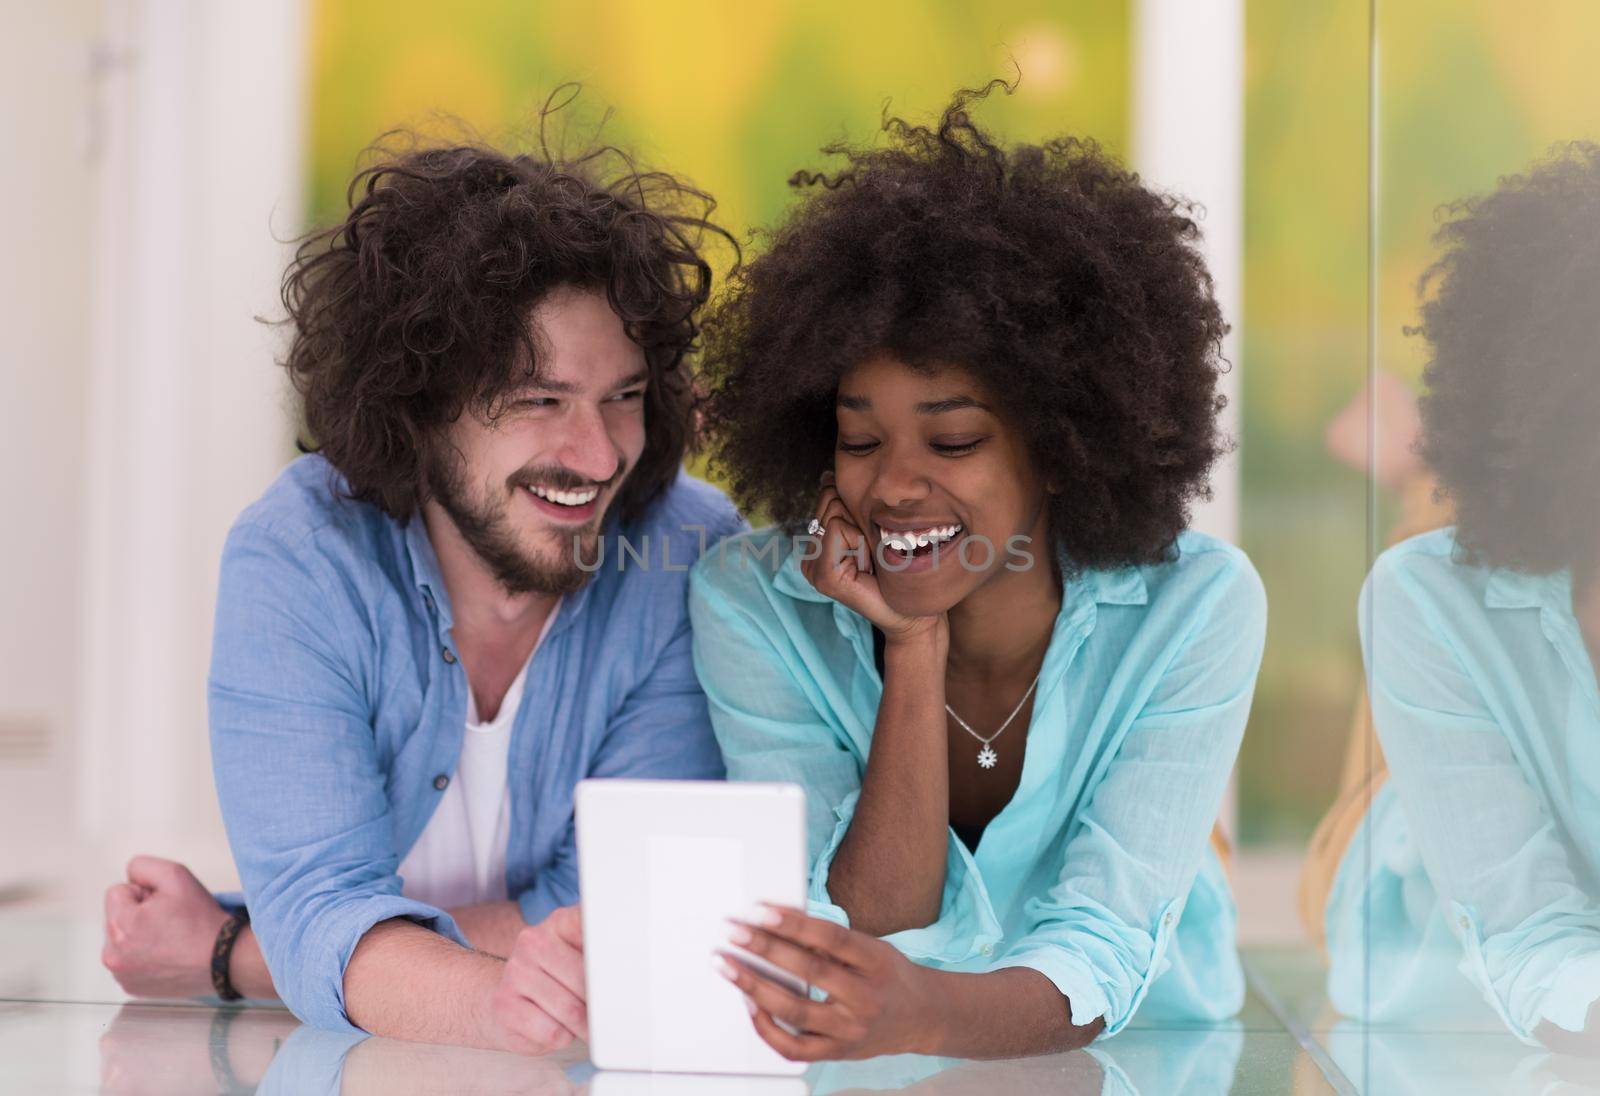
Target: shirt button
point(988, 949)
point(449, 655)
point(441, 782)
point(1167, 920)
point(1464, 923)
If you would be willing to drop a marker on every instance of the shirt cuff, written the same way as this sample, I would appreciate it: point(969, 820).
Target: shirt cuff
point(819, 903)
point(1071, 977)
point(538, 902)
point(309, 973)
point(1570, 981)
point(1086, 986)
point(1568, 1000)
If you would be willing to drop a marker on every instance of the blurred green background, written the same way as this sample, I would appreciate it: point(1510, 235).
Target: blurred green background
point(737, 96)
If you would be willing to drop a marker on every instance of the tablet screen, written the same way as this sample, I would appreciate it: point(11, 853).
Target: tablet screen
point(662, 867)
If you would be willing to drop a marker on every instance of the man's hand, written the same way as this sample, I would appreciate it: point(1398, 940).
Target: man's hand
point(160, 927)
point(541, 1003)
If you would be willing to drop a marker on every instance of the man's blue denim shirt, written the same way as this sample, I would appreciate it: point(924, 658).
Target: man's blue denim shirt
point(338, 706)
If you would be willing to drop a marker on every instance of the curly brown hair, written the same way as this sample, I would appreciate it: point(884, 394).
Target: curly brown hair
point(1511, 316)
point(1073, 292)
point(415, 308)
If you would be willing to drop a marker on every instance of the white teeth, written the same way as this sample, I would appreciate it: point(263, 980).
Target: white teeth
point(566, 498)
point(910, 541)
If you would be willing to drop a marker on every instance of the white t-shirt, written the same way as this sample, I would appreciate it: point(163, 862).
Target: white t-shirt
point(460, 857)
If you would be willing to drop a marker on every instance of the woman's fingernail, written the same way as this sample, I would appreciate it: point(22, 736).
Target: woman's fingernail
point(724, 968)
point(741, 935)
point(765, 915)
point(750, 1006)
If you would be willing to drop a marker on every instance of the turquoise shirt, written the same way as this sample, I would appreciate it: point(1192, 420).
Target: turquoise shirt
point(1473, 878)
point(1098, 873)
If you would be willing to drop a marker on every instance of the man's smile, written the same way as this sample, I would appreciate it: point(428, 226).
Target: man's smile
point(574, 507)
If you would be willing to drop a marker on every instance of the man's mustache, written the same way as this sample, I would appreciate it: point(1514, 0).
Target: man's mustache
point(562, 479)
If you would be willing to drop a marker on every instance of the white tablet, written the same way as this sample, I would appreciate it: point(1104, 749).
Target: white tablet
point(662, 865)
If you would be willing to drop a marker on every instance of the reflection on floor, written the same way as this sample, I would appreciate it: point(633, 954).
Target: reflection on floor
point(1465, 1057)
point(65, 1026)
point(52, 1046)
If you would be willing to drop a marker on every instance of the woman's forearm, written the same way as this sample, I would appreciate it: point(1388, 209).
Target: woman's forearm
point(1010, 1013)
point(888, 873)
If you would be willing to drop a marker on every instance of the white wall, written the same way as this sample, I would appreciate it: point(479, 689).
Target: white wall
point(1188, 138)
point(46, 209)
point(186, 411)
point(140, 407)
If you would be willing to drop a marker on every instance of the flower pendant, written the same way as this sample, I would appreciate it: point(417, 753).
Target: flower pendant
point(987, 758)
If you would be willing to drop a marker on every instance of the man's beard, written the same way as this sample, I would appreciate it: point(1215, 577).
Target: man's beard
point(488, 530)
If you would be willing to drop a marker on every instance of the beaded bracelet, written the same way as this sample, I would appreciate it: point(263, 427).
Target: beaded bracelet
point(222, 951)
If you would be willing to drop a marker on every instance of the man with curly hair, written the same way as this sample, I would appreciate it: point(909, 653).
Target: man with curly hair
point(419, 647)
point(985, 381)
point(1471, 891)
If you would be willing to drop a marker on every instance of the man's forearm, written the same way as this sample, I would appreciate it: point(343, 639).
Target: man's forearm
point(491, 927)
point(888, 874)
point(407, 982)
point(1011, 1013)
point(247, 968)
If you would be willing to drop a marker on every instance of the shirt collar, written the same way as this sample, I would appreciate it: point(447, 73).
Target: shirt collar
point(791, 580)
point(1124, 586)
point(1508, 589)
point(425, 572)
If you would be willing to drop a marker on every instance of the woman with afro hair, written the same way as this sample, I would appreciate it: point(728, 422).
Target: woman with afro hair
point(975, 387)
point(1471, 892)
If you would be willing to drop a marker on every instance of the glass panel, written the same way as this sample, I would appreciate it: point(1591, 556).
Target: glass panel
point(1463, 931)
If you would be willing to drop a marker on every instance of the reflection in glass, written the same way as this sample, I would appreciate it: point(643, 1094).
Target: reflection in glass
point(1138, 1061)
point(1466, 892)
point(1412, 1063)
point(164, 1049)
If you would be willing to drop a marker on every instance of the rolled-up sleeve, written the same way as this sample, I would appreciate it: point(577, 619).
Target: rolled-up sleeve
point(297, 772)
point(1101, 932)
point(1530, 935)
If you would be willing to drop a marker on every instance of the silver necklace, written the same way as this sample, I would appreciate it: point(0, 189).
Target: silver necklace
point(986, 756)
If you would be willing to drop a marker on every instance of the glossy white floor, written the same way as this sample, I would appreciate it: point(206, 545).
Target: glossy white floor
point(66, 1027)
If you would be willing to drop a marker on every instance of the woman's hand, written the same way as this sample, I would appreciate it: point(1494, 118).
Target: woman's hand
point(844, 569)
point(876, 1002)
